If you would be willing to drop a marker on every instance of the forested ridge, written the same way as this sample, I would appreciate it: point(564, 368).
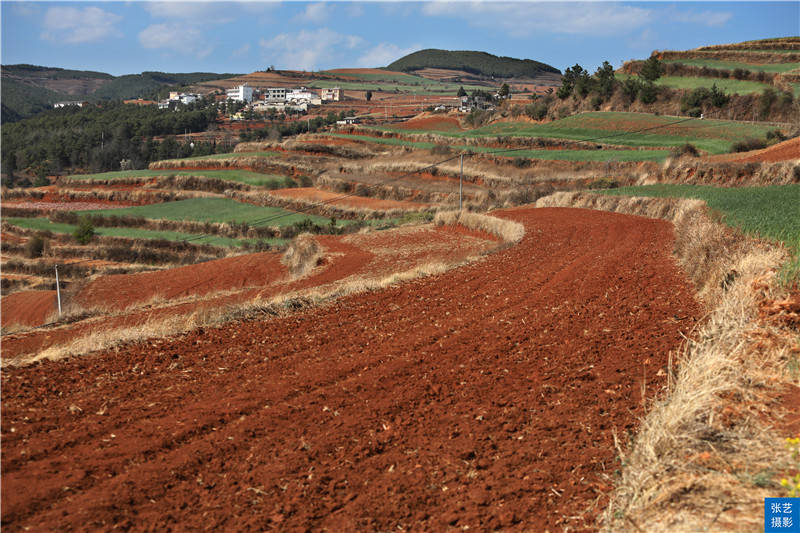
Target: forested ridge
point(479, 63)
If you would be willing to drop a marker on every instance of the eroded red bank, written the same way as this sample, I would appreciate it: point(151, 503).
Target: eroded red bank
point(484, 397)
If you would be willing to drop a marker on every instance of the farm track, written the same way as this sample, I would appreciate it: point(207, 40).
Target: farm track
point(485, 396)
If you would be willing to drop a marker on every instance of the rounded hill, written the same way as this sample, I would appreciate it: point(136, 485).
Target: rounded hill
point(478, 63)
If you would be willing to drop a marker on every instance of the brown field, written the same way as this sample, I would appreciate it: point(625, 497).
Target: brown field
point(28, 308)
point(311, 194)
point(784, 151)
point(434, 404)
point(138, 298)
point(433, 123)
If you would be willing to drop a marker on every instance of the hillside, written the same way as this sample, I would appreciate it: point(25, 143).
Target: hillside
point(30, 89)
point(477, 63)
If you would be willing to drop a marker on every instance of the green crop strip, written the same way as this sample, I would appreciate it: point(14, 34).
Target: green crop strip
point(549, 155)
point(771, 212)
point(241, 176)
point(213, 210)
point(43, 224)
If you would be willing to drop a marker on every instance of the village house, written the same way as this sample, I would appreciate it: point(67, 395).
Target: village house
point(242, 93)
point(59, 105)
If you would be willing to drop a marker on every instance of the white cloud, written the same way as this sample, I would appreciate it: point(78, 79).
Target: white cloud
point(308, 50)
point(72, 25)
point(176, 38)
point(241, 51)
point(355, 10)
point(524, 19)
point(383, 54)
point(201, 12)
point(314, 14)
point(24, 9)
point(705, 18)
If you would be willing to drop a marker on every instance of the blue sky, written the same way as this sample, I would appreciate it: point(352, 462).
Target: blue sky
point(131, 37)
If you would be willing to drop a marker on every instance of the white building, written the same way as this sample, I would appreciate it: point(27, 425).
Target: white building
point(189, 98)
point(242, 93)
point(59, 105)
point(333, 94)
point(303, 95)
point(275, 94)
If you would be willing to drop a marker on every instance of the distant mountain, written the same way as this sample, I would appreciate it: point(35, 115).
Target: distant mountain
point(476, 63)
point(30, 89)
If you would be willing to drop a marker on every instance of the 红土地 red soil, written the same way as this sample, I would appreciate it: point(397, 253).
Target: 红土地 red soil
point(486, 397)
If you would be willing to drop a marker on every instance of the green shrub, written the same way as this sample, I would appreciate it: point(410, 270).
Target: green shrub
point(441, 149)
point(36, 246)
point(748, 145)
point(648, 93)
point(85, 231)
point(685, 149)
point(536, 111)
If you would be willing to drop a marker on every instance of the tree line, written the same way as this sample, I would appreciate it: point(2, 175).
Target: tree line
point(98, 138)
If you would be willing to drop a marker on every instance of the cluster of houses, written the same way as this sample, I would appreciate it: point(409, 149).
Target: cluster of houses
point(263, 99)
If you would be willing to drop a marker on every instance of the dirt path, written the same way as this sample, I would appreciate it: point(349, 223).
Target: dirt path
point(484, 397)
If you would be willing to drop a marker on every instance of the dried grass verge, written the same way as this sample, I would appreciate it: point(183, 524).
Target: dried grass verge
point(508, 230)
point(707, 452)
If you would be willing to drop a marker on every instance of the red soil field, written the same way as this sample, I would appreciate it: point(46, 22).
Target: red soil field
point(118, 292)
point(784, 151)
point(354, 257)
point(27, 308)
point(431, 123)
point(67, 206)
point(346, 71)
point(315, 195)
point(486, 397)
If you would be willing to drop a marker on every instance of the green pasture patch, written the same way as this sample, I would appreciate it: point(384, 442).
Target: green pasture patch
point(550, 155)
point(732, 65)
point(214, 210)
point(241, 176)
point(43, 224)
point(730, 85)
point(230, 155)
point(630, 129)
point(770, 212)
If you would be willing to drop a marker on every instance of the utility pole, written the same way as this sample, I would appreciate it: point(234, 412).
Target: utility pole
point(461, 183)
point(58, 292)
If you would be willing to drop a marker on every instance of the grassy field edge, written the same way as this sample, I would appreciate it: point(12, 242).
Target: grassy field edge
point(675, 475)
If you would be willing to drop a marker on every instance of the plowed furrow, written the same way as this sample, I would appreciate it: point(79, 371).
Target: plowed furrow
point(484, 397)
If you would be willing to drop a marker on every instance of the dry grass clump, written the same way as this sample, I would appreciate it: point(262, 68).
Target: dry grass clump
point(705, 455)
point(303, 254)
point(508, 230)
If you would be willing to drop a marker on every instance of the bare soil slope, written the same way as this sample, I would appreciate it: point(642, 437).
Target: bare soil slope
point(484, 397)
point(28, 308)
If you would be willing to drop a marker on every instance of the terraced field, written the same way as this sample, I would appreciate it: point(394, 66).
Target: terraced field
point(768, 212)
point(732, 65)
point(241, 176)
point(553, 155)
point(213, 210)
point(43, 224)
point(731, 86)
point(625, 129)
point(456, 399)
